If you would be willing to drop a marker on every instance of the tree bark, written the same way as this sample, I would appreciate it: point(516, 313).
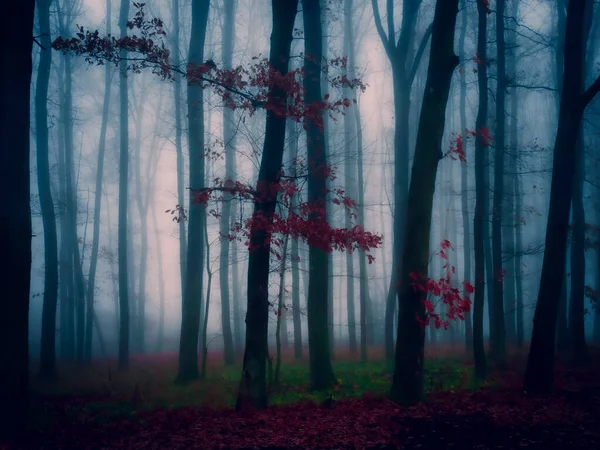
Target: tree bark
point(498, 343)
point(252, 391)
point(229, 143)
point(192, 299)
point(123, 193)
point(480, 195)
point(91, 287)
point(321, 372)
point(178, 144)
point(464, 181)
point(15, 79)
point(48, 337)
point(407, 384)
point(539, 377)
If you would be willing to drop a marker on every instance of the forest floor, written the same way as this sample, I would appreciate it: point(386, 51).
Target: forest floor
point(99, 407)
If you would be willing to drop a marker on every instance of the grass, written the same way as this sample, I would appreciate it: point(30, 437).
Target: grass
point(101, 393)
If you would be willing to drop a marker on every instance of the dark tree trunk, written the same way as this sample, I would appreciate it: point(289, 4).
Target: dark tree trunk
point(539, 377)
point(464, 182)
point(191, 310)
point(321, 372)
point(498, 343)
point(15, 79)
point(252, 391)
point(579, 348)
point(403, 73)
point(407, 384)
point(123, 193)
point(48, 337)
point(481, 194)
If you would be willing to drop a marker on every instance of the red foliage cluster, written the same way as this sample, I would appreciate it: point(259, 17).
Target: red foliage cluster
point(246, 88)
point(457, 149)
point(307, 221)
point(445, 291)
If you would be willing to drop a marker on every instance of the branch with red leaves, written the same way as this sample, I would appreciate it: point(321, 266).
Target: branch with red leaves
point(445, 291)
point(307, 222)
point(457, 149)
point(240, 87)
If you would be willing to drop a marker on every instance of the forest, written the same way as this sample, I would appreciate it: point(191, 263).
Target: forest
point(300, 224)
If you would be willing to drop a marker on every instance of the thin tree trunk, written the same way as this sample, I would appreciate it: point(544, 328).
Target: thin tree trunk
point(349, 178)
point(178, 144)
point(480, 195)
point(464, 179)
point(123, 194)
point(280, 309)
point(296, 316)
point(229, 144)
point(91, 287)
point(48, 337)
point(192, 300)
point(498, 343)
point(161, 283)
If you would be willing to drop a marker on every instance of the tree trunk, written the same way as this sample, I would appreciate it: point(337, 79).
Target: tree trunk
point(91, 287)
point(229, 143)
point(349, 179)
point(480, 195)
point(296, 314)
point(252, 391)
point(403, 75)
point(123, 193)
point(280, 310)
point(15, 79)
point(48, 336)
point(321, 372)
point(192, 300)
point(178, 145)
point(407, 384)
point(464, 182)
point(539, 377)
point(577, 301)
point(160, 339)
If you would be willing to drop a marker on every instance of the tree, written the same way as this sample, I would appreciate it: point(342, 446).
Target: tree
point(577, 298)
point(407, 384)
point(124, 333)
point(539, 376)
point(48, 342)
point(404, 70)
point(321, 372)
point(273, 84)
point(252, 389)
point(480, 192)
point(467, 239)
point(191, 310)
point(229, 143)
point(498, 339)
point(98, 201)
point(15, 79)
point(178, 146)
